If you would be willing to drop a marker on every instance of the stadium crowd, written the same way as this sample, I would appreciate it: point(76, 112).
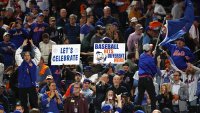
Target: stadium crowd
point(155, 77)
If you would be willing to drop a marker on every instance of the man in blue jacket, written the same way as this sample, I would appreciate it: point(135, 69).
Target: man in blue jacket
point(147, 70)
point(180, 53)
point(27, 75)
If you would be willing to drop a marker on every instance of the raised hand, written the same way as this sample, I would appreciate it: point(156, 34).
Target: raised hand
point(31, 41)
point(25, 42)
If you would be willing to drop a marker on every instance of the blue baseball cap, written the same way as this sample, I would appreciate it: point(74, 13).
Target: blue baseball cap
point(40, 14)
point(78, 73)
point(87, 68)
point(106, 40)
point(17, 111)
point(120, 72)
point(139, 111)
point(181, 39)
point(87, 80)
point(107, 107)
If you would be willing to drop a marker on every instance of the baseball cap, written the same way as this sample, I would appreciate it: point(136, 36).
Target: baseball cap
point(107, 107)
point(87, 80)
point(138, 27)
point(78, 73)
point(40, 14)
point(87, 68)
point(120, 72)
point(1, 107)
point(134, 19)
point(139, 111)
point(6, 33)
point(115, 24)
point(16, 111)
point(99, 27)
point(181, 39)
point(155, 25)
point(49, 77)
point(106, 40)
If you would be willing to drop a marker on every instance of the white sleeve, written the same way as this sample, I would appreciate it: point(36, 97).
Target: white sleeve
point(192, 32)
point(18, 57)
point(37, 57)
point(81, 37)
point(118, 3)
point(22, 4)
point(136, 77)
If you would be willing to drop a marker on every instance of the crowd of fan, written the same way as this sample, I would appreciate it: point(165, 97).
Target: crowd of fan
point(29, 83)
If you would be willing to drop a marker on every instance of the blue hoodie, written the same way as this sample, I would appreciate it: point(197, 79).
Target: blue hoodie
point(147, 65)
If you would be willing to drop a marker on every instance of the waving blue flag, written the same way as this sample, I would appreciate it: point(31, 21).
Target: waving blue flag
point(177, 28)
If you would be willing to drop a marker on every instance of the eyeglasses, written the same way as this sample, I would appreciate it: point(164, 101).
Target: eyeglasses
point(175, 75)
point(76, 87)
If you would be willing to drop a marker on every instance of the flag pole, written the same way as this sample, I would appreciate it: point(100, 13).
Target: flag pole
point(158, 38)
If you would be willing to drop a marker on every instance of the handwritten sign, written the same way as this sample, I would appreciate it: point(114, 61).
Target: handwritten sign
point(65, 54)
point(109, 52)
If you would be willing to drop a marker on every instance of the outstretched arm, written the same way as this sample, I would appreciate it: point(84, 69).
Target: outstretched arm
point(18, 56)
point(37, 56)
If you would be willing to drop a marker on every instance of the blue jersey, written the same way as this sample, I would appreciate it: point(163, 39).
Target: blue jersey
point(7, 50)
point(85, 29)
point(178, 55)
point(147, 65)
point(18, 36)
point(36, 32)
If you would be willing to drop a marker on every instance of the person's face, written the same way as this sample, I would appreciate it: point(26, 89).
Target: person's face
point(86, 85)
point(110, 95)
point(52, 22)
point(40, 18)
point(19, 108)
point(6, 38)
point(180, 43)
point(78, 78)
point(45, 12)
point(52, 87)
point(49, 80)
point(163, 88)
point(196, 23)
point(116, 80)
point(105, 79)
point(77, 88)
point(126, 68)
point(106, 12)
point(176, 76)
point(139, 32)
point(91, 19)
point(72, 20)
point(27, 57)
point(34, 11)
point(46, 40)
point(63, 13)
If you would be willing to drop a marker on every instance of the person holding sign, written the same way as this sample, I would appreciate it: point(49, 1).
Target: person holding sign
point(27, 75)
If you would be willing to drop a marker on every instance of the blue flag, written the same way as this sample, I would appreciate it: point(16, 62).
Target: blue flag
point(177, 28)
